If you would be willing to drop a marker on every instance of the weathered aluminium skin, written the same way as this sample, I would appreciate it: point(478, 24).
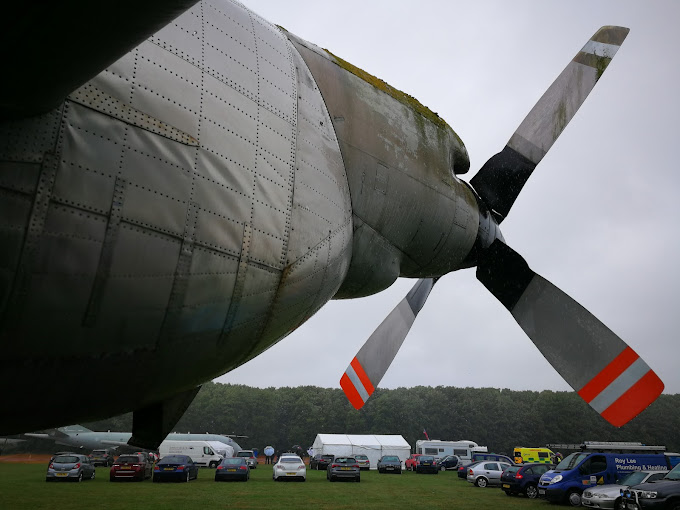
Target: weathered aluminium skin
point(194, 203)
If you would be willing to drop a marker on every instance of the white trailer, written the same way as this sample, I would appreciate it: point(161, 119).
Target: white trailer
point(463, 448)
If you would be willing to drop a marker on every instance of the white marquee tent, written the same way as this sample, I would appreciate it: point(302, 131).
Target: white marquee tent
point(374, 446)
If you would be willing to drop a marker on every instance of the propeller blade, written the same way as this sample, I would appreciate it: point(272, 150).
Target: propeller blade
point(501, 179)
point(602, 368)
point(368, 367)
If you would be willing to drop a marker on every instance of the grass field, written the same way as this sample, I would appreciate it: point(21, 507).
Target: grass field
point(24, 486)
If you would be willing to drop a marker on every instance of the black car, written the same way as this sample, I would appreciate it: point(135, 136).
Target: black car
point(661, 494)
point(233, 468)
point(344, 467)
point(320, 461)
point(426, 464)
point(523, 478)
point(389, 464)
point(179, 468)
point(448, 462)
point(463, 468)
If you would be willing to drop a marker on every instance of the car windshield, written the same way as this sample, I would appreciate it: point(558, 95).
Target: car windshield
point(66, 459)
point(633, 478)
point(571, 461)
point(674, 474)
point(345, 460)
point(425, 458)
point(173, 459)
point(244, 453)
point(99, 452)
point(291, 459)
point(233, 461)
point(127, 458)
point(327, 457)
point(513, 469)
point(361, 457)
point(390, 459)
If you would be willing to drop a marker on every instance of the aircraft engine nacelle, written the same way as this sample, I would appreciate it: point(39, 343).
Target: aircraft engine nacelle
point(172, 218)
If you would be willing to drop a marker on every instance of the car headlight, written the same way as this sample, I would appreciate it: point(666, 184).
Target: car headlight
point(555, 479)
point(648, 494)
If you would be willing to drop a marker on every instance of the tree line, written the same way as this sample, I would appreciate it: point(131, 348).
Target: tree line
point(498, 419)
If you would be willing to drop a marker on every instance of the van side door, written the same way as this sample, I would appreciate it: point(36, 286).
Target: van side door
point(593, 471)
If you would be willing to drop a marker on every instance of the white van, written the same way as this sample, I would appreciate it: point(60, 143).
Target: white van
point(222, 449)
point(201, 452)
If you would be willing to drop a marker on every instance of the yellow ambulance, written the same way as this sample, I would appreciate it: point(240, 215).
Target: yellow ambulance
point(523, 455)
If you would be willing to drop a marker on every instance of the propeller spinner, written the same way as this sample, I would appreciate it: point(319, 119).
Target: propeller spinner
point(613, 379)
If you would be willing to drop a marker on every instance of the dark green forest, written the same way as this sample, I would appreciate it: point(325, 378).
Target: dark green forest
point(499, 419)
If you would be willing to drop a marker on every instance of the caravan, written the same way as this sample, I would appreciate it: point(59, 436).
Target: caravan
point(463, 449)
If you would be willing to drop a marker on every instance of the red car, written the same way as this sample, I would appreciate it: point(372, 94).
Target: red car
point(410, 463)
point(131, 467)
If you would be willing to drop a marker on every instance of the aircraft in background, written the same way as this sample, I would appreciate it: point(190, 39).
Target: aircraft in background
point(183, 184)
point(79, 437)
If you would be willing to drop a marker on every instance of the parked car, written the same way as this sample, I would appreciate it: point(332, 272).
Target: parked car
point(363, 461)
point(661, 494)
point(249, 455)
point(426, 464)
point(178, 468)
point(320, 461)
point(290, 467)
point(463, 468)
point(486, 473)
point(103, 457)
point(609, 496)
point(131, 467)
point(523, 478)
point(448, 462)
point(410, 463)
point(343, 467)
point(389, 464)
point(233, 468)
point(492, 456)
point(72, 466)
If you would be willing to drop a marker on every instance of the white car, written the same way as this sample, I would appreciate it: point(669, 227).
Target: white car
point(486, 473)
point(291, 467)
point(609, 496)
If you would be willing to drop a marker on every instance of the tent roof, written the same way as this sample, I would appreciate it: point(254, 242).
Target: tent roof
point(391, 441)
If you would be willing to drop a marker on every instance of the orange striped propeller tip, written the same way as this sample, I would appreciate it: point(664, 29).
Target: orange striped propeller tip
point(356, 384)
point(623, 389)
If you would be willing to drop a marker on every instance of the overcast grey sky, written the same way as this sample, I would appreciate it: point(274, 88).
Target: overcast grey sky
point(597, 218)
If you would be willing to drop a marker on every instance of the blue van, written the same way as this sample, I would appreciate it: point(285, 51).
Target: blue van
point(581, 470)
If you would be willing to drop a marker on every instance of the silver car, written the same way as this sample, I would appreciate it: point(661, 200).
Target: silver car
point(609, 496)
point(71, 466)
point(486, 473)
point(251, 460)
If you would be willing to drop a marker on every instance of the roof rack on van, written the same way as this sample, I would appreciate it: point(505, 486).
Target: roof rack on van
point(610, 446)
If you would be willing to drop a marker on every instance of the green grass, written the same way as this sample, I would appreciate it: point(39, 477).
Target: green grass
point(24, 486)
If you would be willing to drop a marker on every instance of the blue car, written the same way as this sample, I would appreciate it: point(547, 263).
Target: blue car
point(523, 478)
point(176, 468)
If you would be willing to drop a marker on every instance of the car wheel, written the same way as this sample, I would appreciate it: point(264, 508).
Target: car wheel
point(443, 468)
point(94, 472)
point(213, 465)
point(481, 482)
point(186, 479)
point(508, 493)
point(80, 476)
point(531, 491)
point(574, 498)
